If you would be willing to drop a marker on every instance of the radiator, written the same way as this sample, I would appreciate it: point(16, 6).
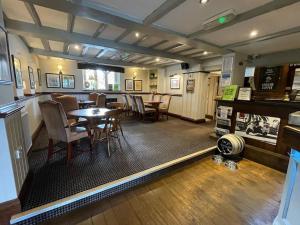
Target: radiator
point(26, 128)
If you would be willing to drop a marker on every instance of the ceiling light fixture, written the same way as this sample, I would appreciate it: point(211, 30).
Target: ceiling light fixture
point(137, 34)
point(203, 2)
point(157, 59)
point(253, 33)
point(205, 53)
point(77, 47)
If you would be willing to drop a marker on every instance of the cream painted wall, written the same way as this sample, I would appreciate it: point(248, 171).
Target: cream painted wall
point(20, 51)
point(50, 65)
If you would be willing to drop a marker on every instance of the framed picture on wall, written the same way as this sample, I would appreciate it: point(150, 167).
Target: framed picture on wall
point(138, 85)
point(53, 80)
point(68, 81)
point(17, 71)
point(5, 72)
point(39, 77)
point(31, 78)
point(129, 85)
point(175, 83)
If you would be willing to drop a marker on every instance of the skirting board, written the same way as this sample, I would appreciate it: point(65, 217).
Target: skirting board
point(60, 207)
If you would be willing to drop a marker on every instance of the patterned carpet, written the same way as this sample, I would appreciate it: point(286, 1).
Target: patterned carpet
point(145, 145)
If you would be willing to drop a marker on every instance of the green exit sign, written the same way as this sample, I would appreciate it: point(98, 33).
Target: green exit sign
point(222, 19)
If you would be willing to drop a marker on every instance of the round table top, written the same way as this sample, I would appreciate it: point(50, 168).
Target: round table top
point(86, 102)
point(153, 102)
point(89, 113)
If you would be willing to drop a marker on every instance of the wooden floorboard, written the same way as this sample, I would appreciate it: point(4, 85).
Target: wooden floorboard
point(201, 193)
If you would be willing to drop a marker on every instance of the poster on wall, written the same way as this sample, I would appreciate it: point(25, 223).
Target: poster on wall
point(68, 81)
point(262, 128)
point(138, 85)
point(223, 120)
point(31, 78)
point(39, 77)
point(190, 85)
point(17, 71)
point(129, 85)
point(269, 78)
point(53, 80)
point(175, 83)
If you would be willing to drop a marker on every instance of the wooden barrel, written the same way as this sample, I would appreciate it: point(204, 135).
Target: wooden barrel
point(230, 144)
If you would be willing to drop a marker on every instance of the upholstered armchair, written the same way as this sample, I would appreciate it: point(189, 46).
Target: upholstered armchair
point(125, 100)
point(134, 106)
point(144, 111)
point(164, 106)
point(58, 127)
point(55, 95)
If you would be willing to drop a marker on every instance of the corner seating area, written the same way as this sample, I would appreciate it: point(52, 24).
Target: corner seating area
point(69, 120)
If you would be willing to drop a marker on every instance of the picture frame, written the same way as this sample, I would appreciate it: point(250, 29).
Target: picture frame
point(138, 85)
point(53, 80)
point(5, 75)
point(190, 85)
point(39, 76)
point(68, 81)
point(31, 78)
point(16, 63)
point(129, 86)
point(175, 83)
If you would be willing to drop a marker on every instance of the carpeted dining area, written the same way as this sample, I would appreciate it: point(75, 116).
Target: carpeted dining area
point(144, 145)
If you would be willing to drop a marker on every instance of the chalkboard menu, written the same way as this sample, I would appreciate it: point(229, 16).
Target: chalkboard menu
point(269, 78)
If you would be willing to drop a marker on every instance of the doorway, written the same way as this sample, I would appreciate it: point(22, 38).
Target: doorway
point(213, 89)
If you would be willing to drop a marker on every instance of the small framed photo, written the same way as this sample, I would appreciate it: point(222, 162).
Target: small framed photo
point(129, 85)
point(39, 77)
point(17, 71)
point(190, 85)
point(31, 78)
point(53, 80)
point(175, 83)
point(138, 85)
point(68, 81)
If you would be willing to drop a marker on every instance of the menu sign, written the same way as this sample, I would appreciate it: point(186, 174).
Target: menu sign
point(269, 78)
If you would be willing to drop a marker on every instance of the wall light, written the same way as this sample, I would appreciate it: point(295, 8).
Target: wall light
point(137, 34)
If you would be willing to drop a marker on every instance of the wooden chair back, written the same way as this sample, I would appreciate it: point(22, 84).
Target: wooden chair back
point(68, 102)
point(101, 101)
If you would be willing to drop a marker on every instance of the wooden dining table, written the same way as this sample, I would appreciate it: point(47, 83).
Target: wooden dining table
point(155, 105)
point(85, 103)
point(90, 113)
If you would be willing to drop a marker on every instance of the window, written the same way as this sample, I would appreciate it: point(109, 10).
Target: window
point(101, 80)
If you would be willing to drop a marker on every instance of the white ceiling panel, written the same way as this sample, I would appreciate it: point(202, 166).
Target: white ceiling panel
point(85, 26)
point(272, 22)
point(136, 9)
point(52, 18)
point(34, 42)
point(16, 10)
point(150, 41)
point(274, 45)
point(166, 45)
point(111, 32)
point(131, 38)
point(190, 52)
point(189, 16)
point(180, 48)
point(92, 52)
point(56, 46)
point(144, 59)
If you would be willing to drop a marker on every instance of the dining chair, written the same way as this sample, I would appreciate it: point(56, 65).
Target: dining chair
point(126, 104)
point(69, 103)
point(101, 101)
point(110, 129)
point(134, 106)
point(164, 106)
point(59, 129)
point(55, 95)
point(144, 111)
point(156, 98)
point(93, 96)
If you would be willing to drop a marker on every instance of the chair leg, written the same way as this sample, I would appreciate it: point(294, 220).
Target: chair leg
point(118, 137)
point(69, 151)
point(108, 144)
point(121, 129)
point(50, 149)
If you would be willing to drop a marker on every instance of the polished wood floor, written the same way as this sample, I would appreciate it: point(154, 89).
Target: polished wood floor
point(201, 193)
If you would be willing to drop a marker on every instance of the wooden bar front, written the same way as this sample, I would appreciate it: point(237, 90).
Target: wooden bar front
point(275, 156)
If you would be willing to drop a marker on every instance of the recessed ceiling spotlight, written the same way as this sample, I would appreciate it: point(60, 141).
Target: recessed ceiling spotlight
point(76, 47)
point(203, 2)
point(253, 33)
point(205, 53)
point(137, 34)
point(157, 59)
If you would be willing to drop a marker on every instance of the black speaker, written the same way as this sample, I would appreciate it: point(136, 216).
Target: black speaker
point(185, 66)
